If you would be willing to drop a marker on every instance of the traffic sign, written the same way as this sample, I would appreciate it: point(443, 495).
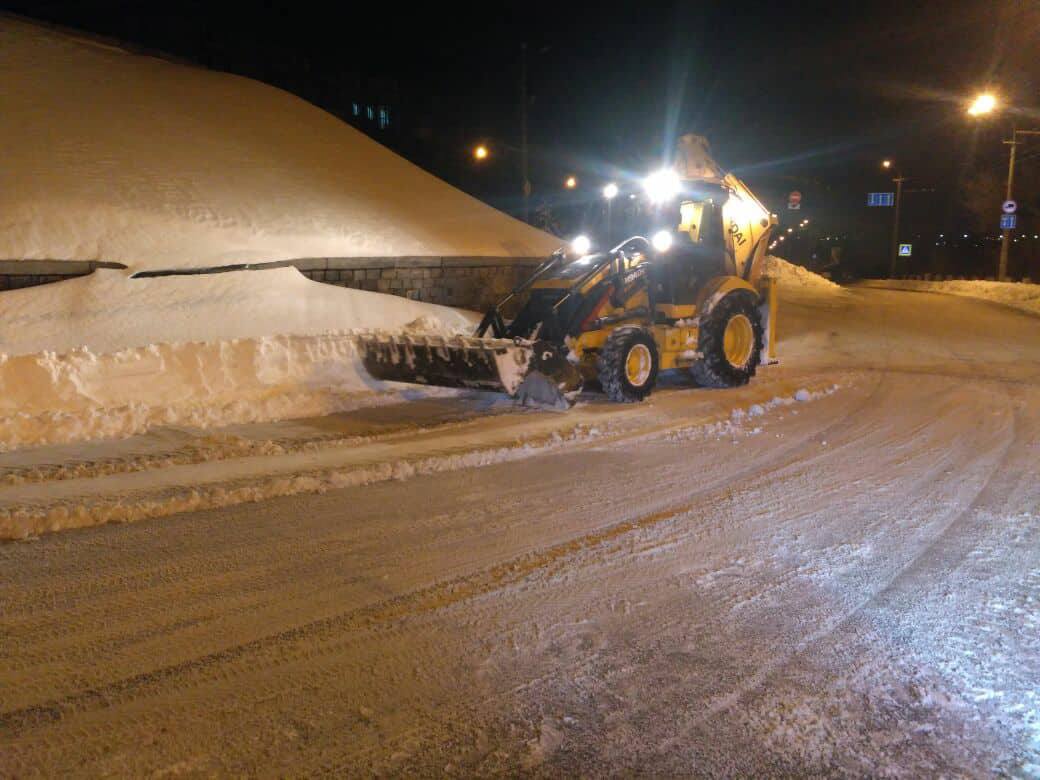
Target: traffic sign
point(905, 250)
point(881, 198)
point(1008, 221)
point(1009, 207)
point(794, 201)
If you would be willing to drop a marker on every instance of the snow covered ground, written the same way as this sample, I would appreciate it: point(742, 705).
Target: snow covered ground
point(156, 164)
point(711, 583)
point(1025, 297)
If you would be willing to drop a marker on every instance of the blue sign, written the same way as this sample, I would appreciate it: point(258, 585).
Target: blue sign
point(1008, 221)
point(905, 250)
point(881, 198)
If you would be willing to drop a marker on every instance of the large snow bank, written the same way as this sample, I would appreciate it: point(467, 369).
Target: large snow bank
point(107, 355)
point(109, 311)
point(118, 157)
point(1025, 297)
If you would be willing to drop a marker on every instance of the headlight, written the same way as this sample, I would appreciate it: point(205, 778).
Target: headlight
point(662, 240)
point(581, 245)
point(662, 185)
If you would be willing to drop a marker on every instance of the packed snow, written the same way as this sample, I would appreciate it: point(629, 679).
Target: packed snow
point(155, 164)
point(1018, 295)
point(831, 571)
point(108, 355)
point(110, 310)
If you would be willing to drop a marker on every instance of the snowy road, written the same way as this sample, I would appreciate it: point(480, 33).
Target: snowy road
point(849, 584)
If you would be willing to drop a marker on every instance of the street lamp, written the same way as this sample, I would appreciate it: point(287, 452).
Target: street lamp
point(481, 152)
point(898, 180)
point(610, 192)
point(571, 182)
point(982, 105)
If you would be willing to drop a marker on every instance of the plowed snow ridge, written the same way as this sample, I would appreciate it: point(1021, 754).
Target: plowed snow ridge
point(335, 466)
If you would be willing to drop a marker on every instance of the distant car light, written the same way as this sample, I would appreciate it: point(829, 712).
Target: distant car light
point(662, 240)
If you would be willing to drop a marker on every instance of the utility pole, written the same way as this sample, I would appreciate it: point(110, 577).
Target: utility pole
point(525, 182)
point(1005, 243)
point(895, 227)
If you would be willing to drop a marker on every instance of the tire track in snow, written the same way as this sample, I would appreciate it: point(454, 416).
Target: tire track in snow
point(436, 597)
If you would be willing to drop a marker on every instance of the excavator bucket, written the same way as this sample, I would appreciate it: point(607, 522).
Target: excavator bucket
point(531, 372)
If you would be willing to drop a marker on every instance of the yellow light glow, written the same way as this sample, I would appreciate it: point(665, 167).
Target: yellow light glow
point(481, 152)
point(886, 163)
point(571, 182)
point(983, 104)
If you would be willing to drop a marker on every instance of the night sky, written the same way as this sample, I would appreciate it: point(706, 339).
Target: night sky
point(806, 96)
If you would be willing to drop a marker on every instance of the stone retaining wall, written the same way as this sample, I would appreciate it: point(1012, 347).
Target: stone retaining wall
point(15, 274)
point(470, 282)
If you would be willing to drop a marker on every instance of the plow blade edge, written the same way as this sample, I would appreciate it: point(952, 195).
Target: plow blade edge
point(528, 371)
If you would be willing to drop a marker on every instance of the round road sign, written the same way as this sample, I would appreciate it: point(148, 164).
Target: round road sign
point(1009, 207)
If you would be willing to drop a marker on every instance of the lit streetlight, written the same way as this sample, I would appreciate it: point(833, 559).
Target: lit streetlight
point(983, 104)
point(481, 152)
point(986, 104)
point(898, 180)
point(610, 191)
point(570, 182)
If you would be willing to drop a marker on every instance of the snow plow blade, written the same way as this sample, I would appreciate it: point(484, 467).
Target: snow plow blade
point(531, 372)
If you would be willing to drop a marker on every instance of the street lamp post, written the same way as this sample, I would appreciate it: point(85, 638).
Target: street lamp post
point(525, 182)
point(610, 192)
point(986, 104)
point(1005, 243)
point(894, 259)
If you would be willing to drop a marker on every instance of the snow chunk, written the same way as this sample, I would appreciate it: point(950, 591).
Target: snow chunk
point(802, 395)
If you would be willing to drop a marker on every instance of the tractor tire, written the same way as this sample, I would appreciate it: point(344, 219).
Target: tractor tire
point(730, 343)
point(628, 364)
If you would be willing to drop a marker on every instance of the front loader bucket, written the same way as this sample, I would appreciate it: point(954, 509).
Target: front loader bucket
point(524, 370)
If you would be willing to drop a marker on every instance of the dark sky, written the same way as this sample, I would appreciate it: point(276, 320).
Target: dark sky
point(808, 95)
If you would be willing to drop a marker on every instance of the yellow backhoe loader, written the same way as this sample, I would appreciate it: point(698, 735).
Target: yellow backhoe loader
point(691, 297)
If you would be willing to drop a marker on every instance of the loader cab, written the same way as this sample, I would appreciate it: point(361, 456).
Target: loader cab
point(698, 254)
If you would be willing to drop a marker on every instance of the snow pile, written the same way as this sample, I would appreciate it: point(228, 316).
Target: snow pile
point(109, 311)
point(108, 355)
point(1024, 297)
point(796, 278)
point(114, 156)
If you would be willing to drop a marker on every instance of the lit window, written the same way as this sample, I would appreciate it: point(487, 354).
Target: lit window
point(356, 107)
point(370, 112)
point(384, 117)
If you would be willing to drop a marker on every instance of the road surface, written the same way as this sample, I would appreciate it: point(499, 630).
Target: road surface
point(711, 583)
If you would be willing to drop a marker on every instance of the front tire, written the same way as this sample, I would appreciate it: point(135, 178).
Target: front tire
point(628, 365)
point(730, 343)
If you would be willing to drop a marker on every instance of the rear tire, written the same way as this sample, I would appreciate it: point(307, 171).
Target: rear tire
point(628, 364)
point(730, 343)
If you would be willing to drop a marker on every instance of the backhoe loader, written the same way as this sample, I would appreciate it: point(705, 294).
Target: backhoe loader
point(691, 297)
